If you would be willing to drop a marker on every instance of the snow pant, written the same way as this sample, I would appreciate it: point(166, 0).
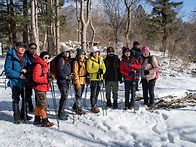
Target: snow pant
point(148, 86)
point(78, 95)
point(130, 85)
point(41, 99)
point(16, 93)
point(29, 91)
point(111, 85)
point(64, 88)
point(95, 88)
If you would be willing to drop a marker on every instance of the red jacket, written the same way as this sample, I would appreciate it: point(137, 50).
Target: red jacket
point(37, 71)
point(125, 69)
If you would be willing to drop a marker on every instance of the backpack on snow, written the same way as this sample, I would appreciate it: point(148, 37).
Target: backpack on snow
point(157, 72)
point(29, 75)
point(53, 67)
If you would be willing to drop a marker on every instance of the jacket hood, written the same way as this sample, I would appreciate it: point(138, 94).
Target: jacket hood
point(12, 52)
point(40, 61)
point(93, 58)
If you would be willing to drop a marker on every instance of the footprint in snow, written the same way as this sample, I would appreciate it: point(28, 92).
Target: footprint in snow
point(165, 116)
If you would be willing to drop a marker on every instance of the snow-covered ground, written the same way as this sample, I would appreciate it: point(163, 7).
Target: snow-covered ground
point(119, 128)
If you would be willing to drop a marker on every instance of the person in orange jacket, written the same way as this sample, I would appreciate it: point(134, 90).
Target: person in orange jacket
point(41, 76)
point(79, 73)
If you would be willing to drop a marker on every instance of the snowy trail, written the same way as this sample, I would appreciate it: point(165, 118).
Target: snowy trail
point(160, 128)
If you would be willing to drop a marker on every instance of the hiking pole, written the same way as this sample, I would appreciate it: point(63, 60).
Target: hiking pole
point(2, 73)
point(104, 101)
point(84, 102)
point(70, 89)
point(101, 95)
point(54, 102)
point(24, 101)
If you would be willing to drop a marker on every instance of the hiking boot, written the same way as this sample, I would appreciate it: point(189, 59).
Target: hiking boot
point(115, 104)
point(126, 108)
point(95, 110)
point(64, 117)
point(130, 108)
point(27, 117)
point(109, 104)
point(78, 110)
point(17, 121)
point(37, 120)
point(45, 123)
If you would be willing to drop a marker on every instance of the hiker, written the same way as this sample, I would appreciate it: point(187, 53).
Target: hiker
point(112, 76)
point(96, 68)
point(128, 67)
point(137, 54)
point(41, 75)
point(148, 72)
point(16, 65)
point(64, 79)
point(32, 55)
point(79, 73)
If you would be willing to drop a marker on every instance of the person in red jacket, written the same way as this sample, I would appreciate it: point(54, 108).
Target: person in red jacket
point(40, 75)
point(128, 67)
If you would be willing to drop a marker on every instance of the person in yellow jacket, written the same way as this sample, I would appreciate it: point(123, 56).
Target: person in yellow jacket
point(96, 68)
point(79, 72)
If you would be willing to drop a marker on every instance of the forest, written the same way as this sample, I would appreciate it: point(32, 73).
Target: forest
point(99, 22)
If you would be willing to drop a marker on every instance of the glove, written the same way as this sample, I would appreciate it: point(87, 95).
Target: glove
point(129, 65)
point(100, 71)
point(78, 86)
point(132, 74)
point(88, 80)
point(69, 78)
point(50, 80)
point(146, 72)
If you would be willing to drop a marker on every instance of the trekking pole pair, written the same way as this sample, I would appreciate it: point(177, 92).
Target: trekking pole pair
point(70, 89)
point(54, 102)
point(102, 95)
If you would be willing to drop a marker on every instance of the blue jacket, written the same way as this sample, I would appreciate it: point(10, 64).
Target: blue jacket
point(137, 52)
point(13, 67)
point(62, 72)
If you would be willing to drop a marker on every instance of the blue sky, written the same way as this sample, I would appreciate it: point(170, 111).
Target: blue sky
point(188, 6)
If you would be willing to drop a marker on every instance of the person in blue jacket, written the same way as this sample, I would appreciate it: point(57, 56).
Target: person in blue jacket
point(136, 51)
point(64, 77)
point(16, 65)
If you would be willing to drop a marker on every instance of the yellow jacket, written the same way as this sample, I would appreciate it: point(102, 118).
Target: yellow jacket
point(93, 66)
point(79, 76)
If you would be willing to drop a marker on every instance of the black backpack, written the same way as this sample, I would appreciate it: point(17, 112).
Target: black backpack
point(29, 75)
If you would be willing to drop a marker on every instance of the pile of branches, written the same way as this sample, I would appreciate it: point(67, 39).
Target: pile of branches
point(171, 102)
point(188, 100)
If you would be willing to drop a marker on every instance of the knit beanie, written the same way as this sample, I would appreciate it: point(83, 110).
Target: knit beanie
point(43, 54)
point(144, 48)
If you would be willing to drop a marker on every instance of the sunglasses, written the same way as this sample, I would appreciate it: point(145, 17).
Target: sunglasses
point(126, 52)
point(46, 57)
point(33, 48)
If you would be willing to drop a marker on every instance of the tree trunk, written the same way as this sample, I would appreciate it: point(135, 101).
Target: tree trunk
point(9, 24)
point(12, 23)
point(84, 23)
point(25, 31)
point(57, 27)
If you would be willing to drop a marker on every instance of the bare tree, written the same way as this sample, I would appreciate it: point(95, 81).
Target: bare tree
point(57, 27)
point(84, 20)
point(34, 23)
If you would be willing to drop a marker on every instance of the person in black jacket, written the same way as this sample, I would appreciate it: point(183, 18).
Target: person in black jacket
point(32, 55)
point(112, 76)
point(64, 77)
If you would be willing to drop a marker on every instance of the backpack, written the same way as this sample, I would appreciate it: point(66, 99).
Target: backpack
point(53, 66)
point(157, 72)
point(29, 75)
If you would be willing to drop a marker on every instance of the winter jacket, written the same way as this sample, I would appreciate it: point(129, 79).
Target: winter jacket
point(79, 72)
point(137, 52)
point(31, 58)
point(93, 65)
point(62, 70)
point(151, 67)
point(13, 67)
point(40, 77)
point(128, 72)
point(112, 64)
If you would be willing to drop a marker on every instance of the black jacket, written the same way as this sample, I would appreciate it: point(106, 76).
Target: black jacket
point(112, 64)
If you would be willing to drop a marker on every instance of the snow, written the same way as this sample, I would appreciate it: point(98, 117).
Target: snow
point(159, 128)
